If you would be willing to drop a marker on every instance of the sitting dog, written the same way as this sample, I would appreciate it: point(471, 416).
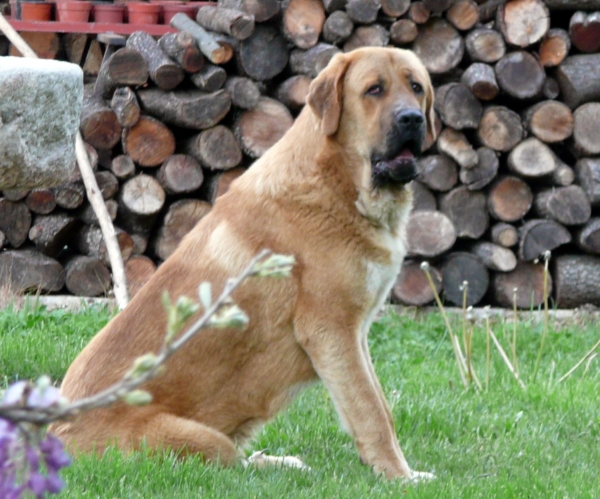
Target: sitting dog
point(334, 193)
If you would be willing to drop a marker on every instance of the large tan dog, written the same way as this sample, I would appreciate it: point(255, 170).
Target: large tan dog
point(333, 192)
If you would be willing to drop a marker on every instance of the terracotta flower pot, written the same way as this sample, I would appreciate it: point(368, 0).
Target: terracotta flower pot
point(143, 13)
point(108, 13)
point(172, 8)
point(36, 11)
point(73, 12)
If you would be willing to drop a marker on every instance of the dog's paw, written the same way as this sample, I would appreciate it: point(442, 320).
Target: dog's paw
point(260, 460)
point(420, 476)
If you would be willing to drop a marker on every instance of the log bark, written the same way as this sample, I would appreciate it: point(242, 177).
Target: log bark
point(458, 107)
point(74, 44)
point(403, 32)
point(210, 78)
point(563, 176)
point(107, 183)
point(216, 52)
point(41, 201)
point(538, 236)
point(70, 195)
point(89, 241)
point(88, 216)
point(93, 59)
point(87, 276)
point(463, 14)
point(504, 234)
point(494, 256)
point(577, 280)
point(584, 31)
point(374, 35)
point(122, 167)
point(244, 92)
point(140, 200)
point(259, 128)
point(99, 126)
point(337, 27)
point(455, 145)
point(567, 205)
point(554, 48)
point(263, 55)
point(15, 194)
point(162, 70)
point(183, 49)
point(138, 270)
point(437, 172)
point(551, 88)
point(52, 233)
point(480, 79)
point(587, 173)
point(217, 183)
point(45, 44)
point(29, 270)
point(586, 132)
point(215, 148)
point(439, 46)
point(466, 210)
point(303, 22)
point(500, 128)
point(578, 78)
point(550, 121)
point(181, 217)
point(395, 8)
point(125, 67)
point(588, 237)
point(528, 280)
point(520, 75)
point(363, 11)
point(310, 62)
point(412, 287)
point(429, 233)
point(486, 169)
point(458, 268)
point(293, 92)
point(523, 22)
point(262, 10)
point(125, 106)
point(232, 22)
point(531, 159)
point(423, 198)
point(191, 109)
point(438, 6)
point(573, 4)
point(180, 174)
point(149, 142)
point(485, 45)
point(509, 199)
point(418, 13)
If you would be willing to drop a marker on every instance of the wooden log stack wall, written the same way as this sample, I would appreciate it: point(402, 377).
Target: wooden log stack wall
point(171, 122)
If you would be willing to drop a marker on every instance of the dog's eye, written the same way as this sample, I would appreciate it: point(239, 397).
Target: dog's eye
point(417, 87)
point(375, 90)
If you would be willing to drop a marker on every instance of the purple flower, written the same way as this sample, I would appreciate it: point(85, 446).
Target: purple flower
point(43, 397)
point(14, 393)
point(37, 484)
point(54, 454)
point(54, 483)
point(33, 458)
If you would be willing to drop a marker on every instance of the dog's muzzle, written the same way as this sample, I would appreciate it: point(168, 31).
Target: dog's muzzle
point(398, 165)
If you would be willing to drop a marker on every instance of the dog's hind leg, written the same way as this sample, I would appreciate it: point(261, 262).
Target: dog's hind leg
point(164, 431)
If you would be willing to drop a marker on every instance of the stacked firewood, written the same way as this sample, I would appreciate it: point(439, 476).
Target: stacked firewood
point(170, 122)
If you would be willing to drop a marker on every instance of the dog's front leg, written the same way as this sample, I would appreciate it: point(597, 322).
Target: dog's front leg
point(338, 359)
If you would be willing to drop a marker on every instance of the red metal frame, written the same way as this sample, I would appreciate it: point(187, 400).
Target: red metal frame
point(118, 29)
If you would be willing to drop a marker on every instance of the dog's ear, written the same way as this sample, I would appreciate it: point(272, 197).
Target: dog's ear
point(429, 111)
point(325, 94)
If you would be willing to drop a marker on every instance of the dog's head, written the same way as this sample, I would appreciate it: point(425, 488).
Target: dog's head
point(378, 102)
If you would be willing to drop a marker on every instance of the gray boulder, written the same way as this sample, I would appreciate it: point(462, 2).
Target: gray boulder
point(40, 104)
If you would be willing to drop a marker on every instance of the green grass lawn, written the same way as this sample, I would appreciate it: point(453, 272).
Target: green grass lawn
point(542, 442)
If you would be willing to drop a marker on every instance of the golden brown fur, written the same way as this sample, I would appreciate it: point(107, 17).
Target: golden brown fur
point(310, 195)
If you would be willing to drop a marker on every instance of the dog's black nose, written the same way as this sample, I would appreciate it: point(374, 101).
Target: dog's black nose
point(410, 119)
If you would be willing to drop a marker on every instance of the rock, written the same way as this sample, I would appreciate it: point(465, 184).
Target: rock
point(40, 104)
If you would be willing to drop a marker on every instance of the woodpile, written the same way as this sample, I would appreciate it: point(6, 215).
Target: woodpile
point(171, 122)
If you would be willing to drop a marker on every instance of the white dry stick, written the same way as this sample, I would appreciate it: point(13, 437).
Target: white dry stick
point(506, 359)
point(91, 187)
point(585, 357)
